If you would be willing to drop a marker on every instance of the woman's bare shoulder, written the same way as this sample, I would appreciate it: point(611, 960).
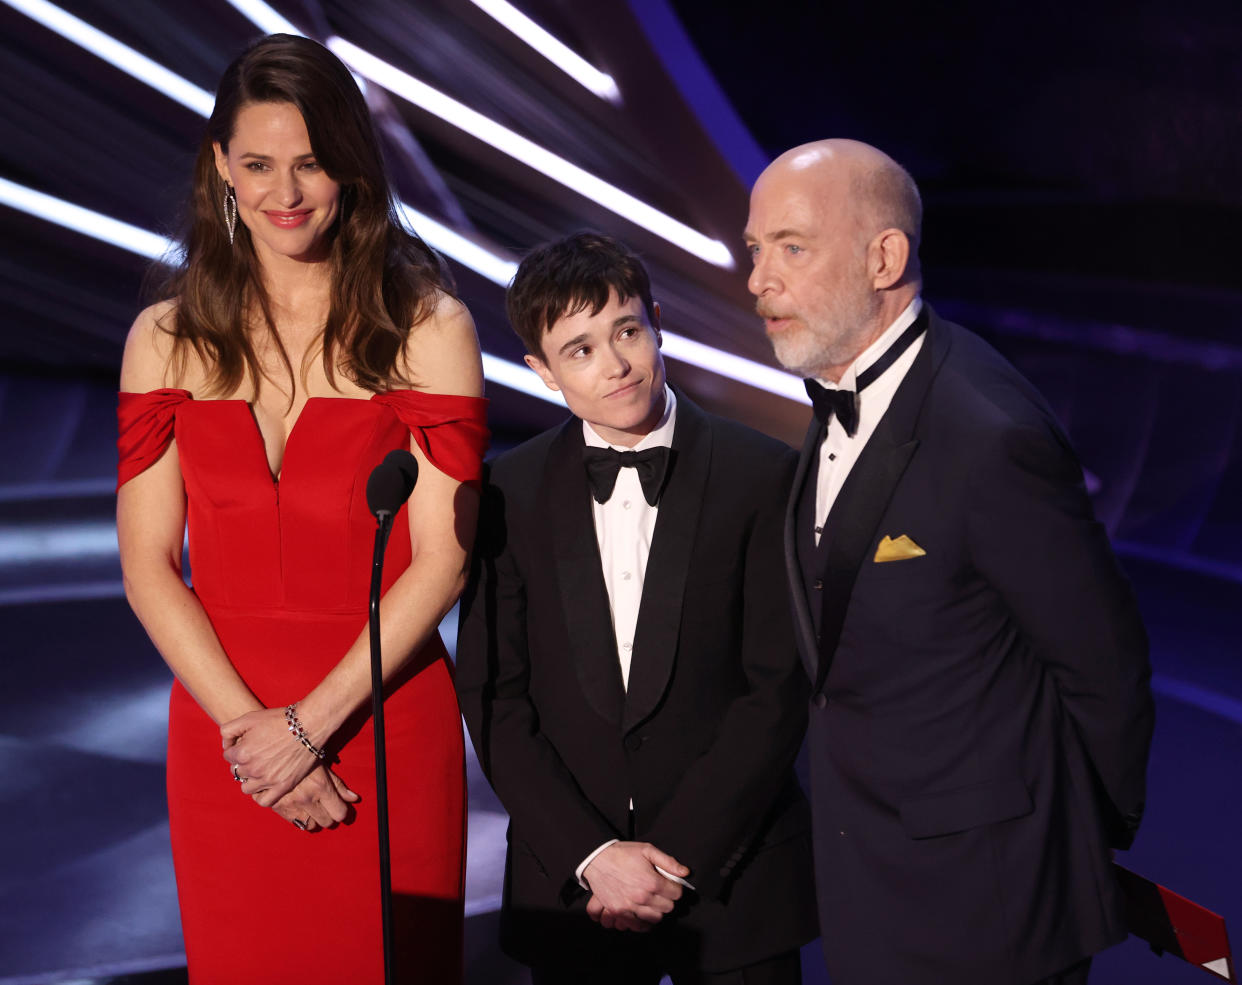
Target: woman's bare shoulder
point(150, 348)
point(442, 352)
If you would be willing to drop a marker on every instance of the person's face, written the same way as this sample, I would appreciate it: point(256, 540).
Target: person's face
point(608, 368)
point(284, 197)
point(809, 274)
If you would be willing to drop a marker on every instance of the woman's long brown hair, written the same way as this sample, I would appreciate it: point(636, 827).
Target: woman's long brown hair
point(384, 280)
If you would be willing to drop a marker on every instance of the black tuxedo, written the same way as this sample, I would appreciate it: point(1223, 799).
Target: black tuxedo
point(980, 714)
point(704, 739)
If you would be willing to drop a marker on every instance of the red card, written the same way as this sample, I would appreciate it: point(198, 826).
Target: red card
point(1169, 922)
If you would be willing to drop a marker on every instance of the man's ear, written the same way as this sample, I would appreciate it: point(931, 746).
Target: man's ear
point(222, 162)
point(655, 322)
point(887, 257)
point(545, 374)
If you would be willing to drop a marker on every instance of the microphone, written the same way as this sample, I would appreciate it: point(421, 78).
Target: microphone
point(391, 482)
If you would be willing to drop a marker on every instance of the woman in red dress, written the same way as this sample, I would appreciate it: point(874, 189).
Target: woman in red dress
point(306, 335)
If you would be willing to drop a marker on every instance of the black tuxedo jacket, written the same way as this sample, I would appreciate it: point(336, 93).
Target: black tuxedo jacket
point(980, 714)
point(704, 739)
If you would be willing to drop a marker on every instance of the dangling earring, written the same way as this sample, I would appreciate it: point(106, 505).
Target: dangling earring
point(230, 210)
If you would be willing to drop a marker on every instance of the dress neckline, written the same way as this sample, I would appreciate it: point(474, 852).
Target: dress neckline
point(297, 421)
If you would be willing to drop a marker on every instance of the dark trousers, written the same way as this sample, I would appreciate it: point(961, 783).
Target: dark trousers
point(784, 969)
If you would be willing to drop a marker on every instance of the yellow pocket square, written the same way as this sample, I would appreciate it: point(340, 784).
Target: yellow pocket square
point(901, 549)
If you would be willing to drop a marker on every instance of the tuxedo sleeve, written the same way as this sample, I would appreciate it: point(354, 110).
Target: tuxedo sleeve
point(721, 803)
point(1033, 536)
point(545, 803)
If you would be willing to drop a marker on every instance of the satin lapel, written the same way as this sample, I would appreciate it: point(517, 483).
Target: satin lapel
point(672, 543)
point(859, 507)
point(804, 625)
point(580, 577)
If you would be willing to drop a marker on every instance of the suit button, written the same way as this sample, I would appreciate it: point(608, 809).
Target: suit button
point(633, 742)
point(819, 584)
point(820, 701)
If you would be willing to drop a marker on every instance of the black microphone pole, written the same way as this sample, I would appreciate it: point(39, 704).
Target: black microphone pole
point(389, 485)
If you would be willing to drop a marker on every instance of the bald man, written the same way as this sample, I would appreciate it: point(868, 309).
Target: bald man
point(981, 711)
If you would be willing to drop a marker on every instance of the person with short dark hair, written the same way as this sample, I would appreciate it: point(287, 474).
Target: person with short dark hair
point(981, 709)
point(625, 659)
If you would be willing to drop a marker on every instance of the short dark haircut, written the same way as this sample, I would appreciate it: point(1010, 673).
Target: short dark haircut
point(568, 276)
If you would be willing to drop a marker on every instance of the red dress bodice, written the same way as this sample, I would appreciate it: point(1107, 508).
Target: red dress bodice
point(303, 540)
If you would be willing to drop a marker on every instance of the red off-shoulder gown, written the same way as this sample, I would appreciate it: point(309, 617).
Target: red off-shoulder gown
point(282, 568)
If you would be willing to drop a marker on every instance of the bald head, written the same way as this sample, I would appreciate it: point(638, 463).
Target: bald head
point(833, 234)
point(877, 190)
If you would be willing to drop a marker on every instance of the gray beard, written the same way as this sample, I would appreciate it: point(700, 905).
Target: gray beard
point(809, 355)
point(806, 355)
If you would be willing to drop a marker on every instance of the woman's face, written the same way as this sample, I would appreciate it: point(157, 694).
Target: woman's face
point(284, 197)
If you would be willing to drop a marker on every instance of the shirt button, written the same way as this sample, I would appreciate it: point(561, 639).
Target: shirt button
point(627, 646)
point(625, 576)
point(625, 504)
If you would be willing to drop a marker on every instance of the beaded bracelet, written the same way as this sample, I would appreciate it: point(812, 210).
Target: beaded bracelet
point(299, 733)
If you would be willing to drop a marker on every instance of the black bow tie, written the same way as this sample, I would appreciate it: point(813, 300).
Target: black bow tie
point(844, 403)
point(603, 464)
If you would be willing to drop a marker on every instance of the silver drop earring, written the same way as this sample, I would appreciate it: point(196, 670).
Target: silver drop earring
point(230, 210)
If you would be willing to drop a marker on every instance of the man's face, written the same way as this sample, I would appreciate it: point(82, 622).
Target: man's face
point(810, 276)
point(608, 367)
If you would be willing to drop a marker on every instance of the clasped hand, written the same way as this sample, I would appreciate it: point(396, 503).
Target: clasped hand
point(627, 893)
point(272, 760)
point(321, 800)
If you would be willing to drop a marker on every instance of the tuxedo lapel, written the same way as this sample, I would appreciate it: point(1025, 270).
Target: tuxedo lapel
point(580, 578)
point(851, 524)
point(668, 566)
point(804, 624)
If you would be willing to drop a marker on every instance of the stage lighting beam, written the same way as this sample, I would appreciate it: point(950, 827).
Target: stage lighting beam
point(264, 17)
point(122, 56)
point(552, 48)
point(81, 220)
point(531, 154)
point(440, 237)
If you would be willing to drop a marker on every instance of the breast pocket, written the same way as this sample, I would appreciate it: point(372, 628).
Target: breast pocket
point(912, 567)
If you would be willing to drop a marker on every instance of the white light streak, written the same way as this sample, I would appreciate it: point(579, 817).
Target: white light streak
point(452, 243)
point(264, 17)
point(734, 367)
point(85, 221)
point(531, 154)
point(521, 378)
point(270, 21)
point(42, 542)
point(552, 48)
point(115, 53)
point(495, 268)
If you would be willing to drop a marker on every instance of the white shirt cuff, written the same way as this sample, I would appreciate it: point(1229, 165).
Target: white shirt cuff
point(587, 861)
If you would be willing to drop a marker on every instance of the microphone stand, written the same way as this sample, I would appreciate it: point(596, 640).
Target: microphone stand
point(388, 486)
point(383, 529)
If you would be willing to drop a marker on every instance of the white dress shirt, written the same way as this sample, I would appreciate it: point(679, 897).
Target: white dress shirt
point(839, 451)
point(623, 528)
